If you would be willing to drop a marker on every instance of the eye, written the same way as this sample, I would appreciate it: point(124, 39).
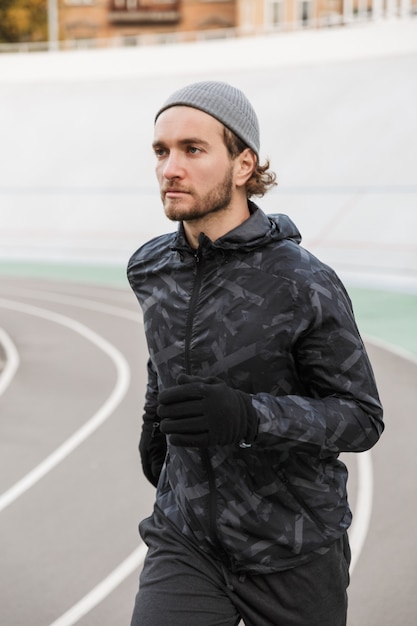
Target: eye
point(160, 152)
point(193, 150)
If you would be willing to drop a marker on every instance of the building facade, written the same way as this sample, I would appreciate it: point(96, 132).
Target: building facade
point(287, 14)
point(129, 19)
point(100, 19)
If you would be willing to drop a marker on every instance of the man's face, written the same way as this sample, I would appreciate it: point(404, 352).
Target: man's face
point(194, 169)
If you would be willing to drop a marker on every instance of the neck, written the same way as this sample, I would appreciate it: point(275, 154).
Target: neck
point(215, 225)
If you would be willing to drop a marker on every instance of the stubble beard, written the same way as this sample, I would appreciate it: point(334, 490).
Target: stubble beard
point(214, 201)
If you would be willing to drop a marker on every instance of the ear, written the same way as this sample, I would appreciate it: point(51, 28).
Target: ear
point(245, 166)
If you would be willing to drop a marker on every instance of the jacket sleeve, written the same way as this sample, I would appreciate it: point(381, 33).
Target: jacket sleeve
point(339, 408)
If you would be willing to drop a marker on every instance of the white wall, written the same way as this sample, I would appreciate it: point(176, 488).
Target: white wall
point(337, 112)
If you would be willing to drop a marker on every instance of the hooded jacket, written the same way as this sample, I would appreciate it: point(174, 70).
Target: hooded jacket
point(257, 310)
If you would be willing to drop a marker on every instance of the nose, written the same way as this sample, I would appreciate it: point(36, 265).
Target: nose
point(172, 166)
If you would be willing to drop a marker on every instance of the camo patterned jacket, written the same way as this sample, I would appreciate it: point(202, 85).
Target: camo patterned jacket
point(257, 310)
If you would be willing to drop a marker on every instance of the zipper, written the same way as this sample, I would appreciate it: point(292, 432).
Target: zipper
point(212, 509)
point(205, 456)
point(212, 494)
point(192, 307)
point(304, 507)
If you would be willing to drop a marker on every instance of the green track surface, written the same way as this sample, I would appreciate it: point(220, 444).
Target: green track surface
point(385, 315)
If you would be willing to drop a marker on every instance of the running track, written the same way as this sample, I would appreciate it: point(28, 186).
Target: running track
point(71, 488)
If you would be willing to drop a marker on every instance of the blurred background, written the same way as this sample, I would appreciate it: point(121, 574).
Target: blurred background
point(334, 83)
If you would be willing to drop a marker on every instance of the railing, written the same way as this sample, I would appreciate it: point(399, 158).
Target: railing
point(190, 36)
point(125, 6)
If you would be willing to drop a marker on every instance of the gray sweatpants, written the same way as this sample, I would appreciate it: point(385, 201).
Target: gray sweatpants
point(182, 586)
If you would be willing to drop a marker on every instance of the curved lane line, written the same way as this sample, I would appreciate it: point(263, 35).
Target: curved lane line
point(103, 589)
point(363, 507)
point(79, 436)
point(12, 361)
point(84, 303)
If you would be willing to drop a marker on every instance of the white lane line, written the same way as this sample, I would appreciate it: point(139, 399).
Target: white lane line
point(365, 489)
point(119, 390)
point(12, 361)
point(103, 589)
point(83, 303)
point(363, 507)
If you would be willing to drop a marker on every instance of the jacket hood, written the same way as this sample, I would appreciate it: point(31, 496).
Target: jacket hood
point(257, 231)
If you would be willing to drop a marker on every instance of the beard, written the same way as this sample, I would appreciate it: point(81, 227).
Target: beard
point(213, 201)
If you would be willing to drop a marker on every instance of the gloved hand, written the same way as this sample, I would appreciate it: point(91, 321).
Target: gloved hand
point(152, 448)
point(205, 412)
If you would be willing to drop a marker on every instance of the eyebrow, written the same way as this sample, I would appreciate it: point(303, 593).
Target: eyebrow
point(183, 142)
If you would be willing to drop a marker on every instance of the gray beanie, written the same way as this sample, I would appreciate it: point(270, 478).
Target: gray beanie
point(226, 103)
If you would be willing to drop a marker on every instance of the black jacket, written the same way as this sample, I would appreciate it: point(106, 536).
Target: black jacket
point(257, 310)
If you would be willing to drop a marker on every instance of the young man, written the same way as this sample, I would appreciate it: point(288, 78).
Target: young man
point(258, 380)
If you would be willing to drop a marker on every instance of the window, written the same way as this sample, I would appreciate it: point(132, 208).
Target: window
point(305, 12)
point(277, 12)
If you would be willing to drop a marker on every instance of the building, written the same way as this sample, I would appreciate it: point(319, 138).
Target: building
point(101, 19)
point(287, 13)
point(157, 20)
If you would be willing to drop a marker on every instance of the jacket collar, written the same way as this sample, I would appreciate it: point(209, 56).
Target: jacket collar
point(257, 231)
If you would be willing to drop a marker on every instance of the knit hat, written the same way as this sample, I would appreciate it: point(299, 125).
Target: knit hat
point(227, 104)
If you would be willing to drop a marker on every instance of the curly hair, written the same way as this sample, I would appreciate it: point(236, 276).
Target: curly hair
point(262, 179)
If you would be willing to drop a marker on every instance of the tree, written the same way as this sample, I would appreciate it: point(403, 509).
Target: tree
point(23, 20)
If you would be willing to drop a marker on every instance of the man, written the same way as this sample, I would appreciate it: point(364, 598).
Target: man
point(258, 380)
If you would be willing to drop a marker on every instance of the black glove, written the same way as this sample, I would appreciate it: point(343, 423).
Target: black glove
point(152, 448)
point(206, 412)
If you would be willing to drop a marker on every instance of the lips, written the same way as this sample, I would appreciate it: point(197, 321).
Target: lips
point(174, 193)
point(174, 190)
